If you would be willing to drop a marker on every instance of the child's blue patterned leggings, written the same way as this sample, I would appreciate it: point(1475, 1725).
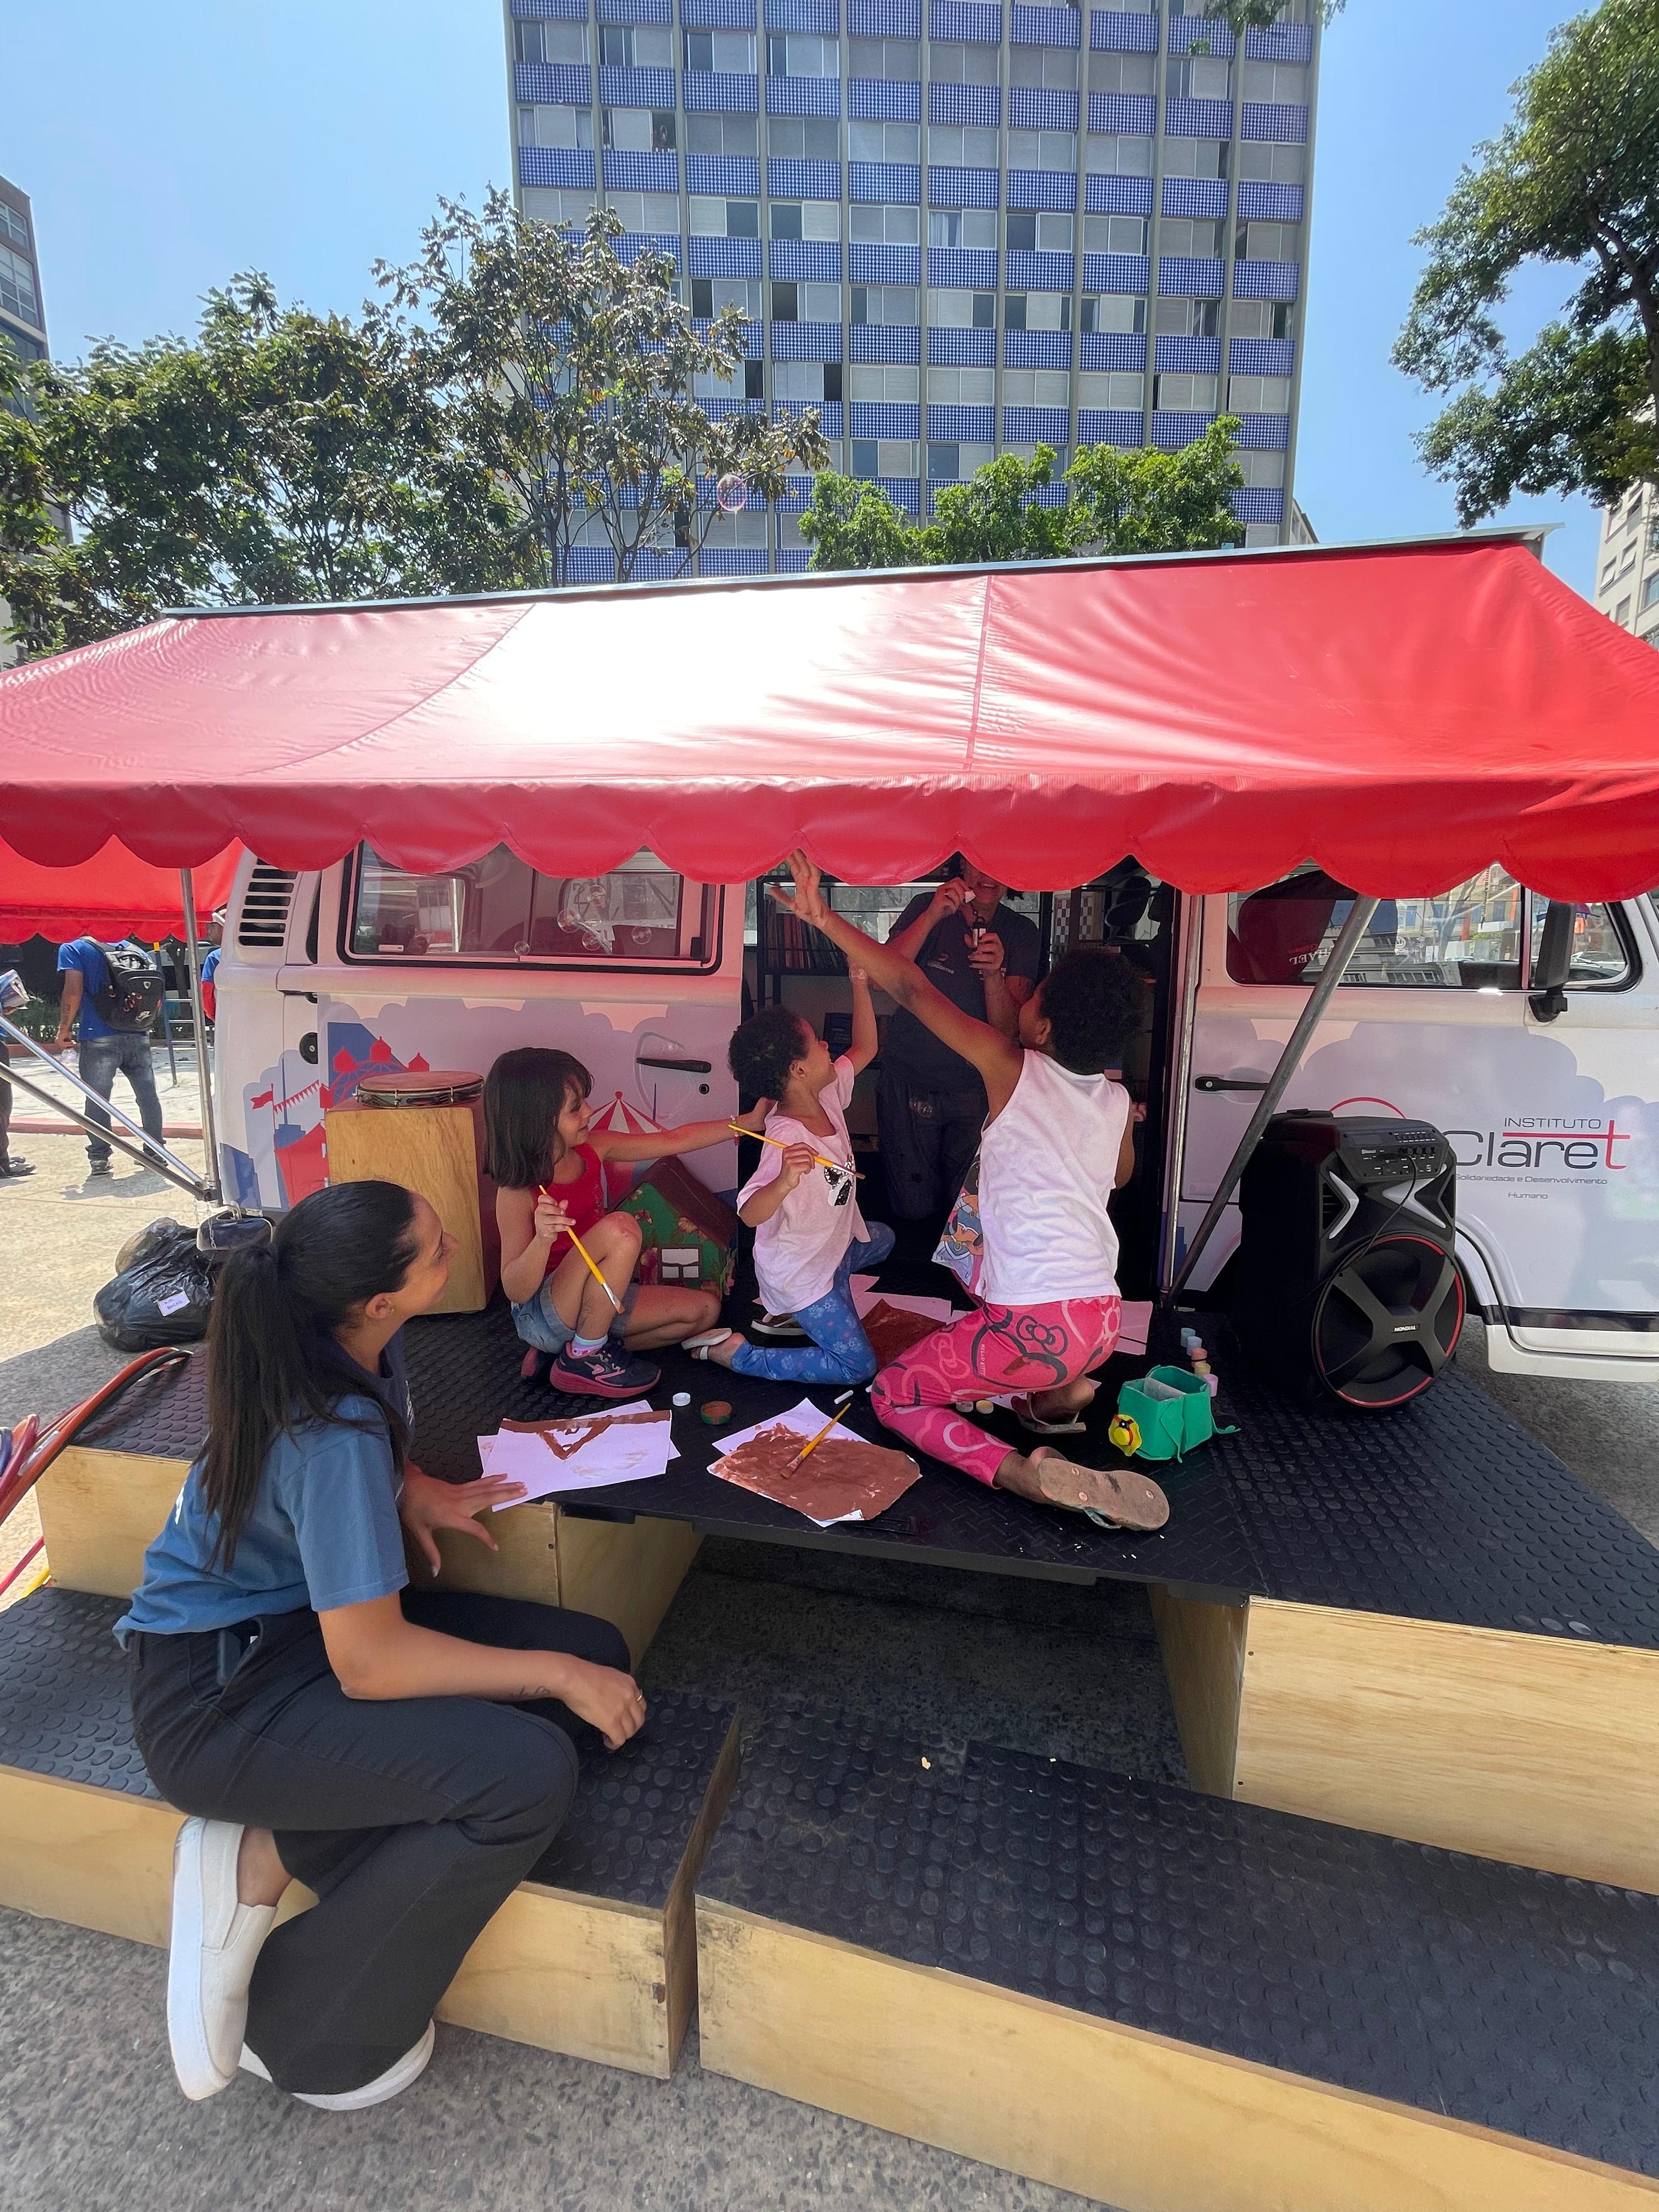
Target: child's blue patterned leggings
point(840, 1350)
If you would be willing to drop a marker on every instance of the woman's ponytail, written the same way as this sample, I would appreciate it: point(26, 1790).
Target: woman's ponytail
point(276, 1308)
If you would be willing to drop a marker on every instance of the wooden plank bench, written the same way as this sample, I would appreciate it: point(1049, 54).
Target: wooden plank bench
point(594, 1955)
point(1170, 2002)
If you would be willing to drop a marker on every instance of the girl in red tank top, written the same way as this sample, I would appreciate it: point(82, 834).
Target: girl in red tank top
point(549, 1163)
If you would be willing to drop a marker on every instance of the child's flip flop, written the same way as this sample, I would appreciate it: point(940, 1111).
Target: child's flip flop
point(700, 1347)
point(1117, 1497)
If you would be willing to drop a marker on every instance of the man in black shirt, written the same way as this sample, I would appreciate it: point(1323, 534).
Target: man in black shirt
point(930, 1104)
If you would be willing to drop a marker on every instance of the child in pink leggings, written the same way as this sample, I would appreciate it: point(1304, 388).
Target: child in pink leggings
point(1058, 1140)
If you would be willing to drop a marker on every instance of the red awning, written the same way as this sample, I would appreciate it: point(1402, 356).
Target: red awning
point(101, 896)
point(1405, 716)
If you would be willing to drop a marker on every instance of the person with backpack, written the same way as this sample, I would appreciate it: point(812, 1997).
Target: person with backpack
point(113, 991)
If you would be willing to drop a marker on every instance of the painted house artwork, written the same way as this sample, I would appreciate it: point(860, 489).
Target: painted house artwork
point(689, 1235)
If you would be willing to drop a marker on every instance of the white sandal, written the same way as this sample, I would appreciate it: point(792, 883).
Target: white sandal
point(700, 1347)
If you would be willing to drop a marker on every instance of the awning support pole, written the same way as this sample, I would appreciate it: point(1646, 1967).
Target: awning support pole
point(1178, 1094)
point(149, 1151)
point(198, 1023)
point(1347, 944)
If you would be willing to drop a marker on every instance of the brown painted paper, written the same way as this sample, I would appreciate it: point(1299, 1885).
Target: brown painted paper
point(838, 1479)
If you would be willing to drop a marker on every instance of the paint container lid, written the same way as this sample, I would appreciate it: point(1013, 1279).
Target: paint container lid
point(682, 1397)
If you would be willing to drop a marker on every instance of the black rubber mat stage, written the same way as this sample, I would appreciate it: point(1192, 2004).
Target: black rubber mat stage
point(1446, 1509)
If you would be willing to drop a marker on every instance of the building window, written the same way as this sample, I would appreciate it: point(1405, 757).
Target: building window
point(1120, 156)
point(1115, 233)
point(550, 42)
point(804, 138)
point(961, 388)
point(1469, 938)
point(733, 52)
point(1180, 235)
point(892, 383)
point(1037, 310)
point(1195, 157)
point(558, 126)
point(1185, 395)
point(893, 61)
point(1112, 311)
point(785, 219)
point(885, 303)
point(864, 457)
point(1266, 241)
point(1651, 592)
point(1629, 561)
point(1189, 318)
point(1259, 395)
point(1055, 66)
point(791, 54)
point(962, 227)
point(884, 142)
point(952, 61)
point(1043, 150)
point(1262, 164)
point(1047, 233)
point(1200, 77)
point(713, 296)
point(1121, 388)
point(722, 134)
point(882, 226)
point(961, 146)
point(1621, 613)
point(1121, 72)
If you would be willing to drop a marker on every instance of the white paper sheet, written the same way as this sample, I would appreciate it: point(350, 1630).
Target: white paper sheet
point(806, 1420)
point(630, 1452)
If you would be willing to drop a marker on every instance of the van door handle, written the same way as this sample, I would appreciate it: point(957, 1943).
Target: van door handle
point(683, 1066)
point(1230, 1083)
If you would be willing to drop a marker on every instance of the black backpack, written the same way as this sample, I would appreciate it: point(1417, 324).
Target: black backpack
point(132, 998)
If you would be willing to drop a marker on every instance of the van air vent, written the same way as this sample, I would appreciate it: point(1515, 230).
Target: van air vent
point(266, 903)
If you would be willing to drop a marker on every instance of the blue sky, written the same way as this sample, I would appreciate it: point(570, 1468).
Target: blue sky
point(168, 146)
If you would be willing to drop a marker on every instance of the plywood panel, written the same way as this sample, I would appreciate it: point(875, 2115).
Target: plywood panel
point(430, 1148)
point(1535, 1749)
point(100, 1512)
point(1111, 2112)
point(97, 1858)
point(569, 1975)
point(1203, 1648)
point(525, 1564)
point(626, 1572)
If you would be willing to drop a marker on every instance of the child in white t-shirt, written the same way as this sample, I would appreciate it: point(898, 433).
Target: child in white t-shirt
point(802, 1201)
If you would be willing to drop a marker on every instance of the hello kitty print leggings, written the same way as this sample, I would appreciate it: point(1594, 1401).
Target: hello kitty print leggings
point(989, 1353)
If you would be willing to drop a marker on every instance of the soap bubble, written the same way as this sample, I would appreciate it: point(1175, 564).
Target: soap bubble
point(732, 494)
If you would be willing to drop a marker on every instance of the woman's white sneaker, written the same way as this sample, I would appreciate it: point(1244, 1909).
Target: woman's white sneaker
point(215, 1943)
point(395, 2079)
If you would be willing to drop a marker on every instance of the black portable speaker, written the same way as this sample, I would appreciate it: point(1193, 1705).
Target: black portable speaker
point(1346, 1279)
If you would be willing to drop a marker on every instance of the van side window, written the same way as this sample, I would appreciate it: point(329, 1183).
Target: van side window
point(1602, 957)
point(497, 908)
point(1467, 938)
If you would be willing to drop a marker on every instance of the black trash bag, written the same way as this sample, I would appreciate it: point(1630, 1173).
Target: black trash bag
point(161, 1294)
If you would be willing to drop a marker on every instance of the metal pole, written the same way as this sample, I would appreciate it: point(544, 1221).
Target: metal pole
point(1175, 1167)
point(146, 1151)
point(1347, 943)
point(198, 1021)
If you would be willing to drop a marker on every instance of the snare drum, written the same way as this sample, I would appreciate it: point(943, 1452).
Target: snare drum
point(421, 1086)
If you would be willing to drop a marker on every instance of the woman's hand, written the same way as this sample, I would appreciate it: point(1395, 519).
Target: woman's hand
point(427, 1505)
point(951, 896)
point(552, 1217)
point(609, 1701)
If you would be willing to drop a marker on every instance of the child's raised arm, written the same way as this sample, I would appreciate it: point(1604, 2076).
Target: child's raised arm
point(664, 1144)
point(863, 1048)
point(997, 1058)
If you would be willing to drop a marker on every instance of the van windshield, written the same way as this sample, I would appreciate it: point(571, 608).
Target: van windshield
point(498, 909)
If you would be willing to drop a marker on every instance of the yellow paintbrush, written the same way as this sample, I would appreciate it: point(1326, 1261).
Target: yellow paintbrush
point(587, 1256)
point(833, 1166)
point(813, 1444)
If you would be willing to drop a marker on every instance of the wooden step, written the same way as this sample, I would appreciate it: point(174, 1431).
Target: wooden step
point(1168, 2002)
point(594, 1955)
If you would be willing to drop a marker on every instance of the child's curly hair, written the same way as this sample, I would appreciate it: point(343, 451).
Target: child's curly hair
point(763, 1051)
point(1092, 1001)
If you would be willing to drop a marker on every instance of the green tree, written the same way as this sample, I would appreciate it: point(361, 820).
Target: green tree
point(1257, 14)
point(1573, 182)
point(1142, 501)
point(573, 377)
point(280, 456)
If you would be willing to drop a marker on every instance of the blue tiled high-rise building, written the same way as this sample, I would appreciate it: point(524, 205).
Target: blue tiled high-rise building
point(959, 227)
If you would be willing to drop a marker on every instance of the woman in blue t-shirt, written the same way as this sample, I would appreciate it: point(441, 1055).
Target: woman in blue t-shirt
point(409, 1754)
